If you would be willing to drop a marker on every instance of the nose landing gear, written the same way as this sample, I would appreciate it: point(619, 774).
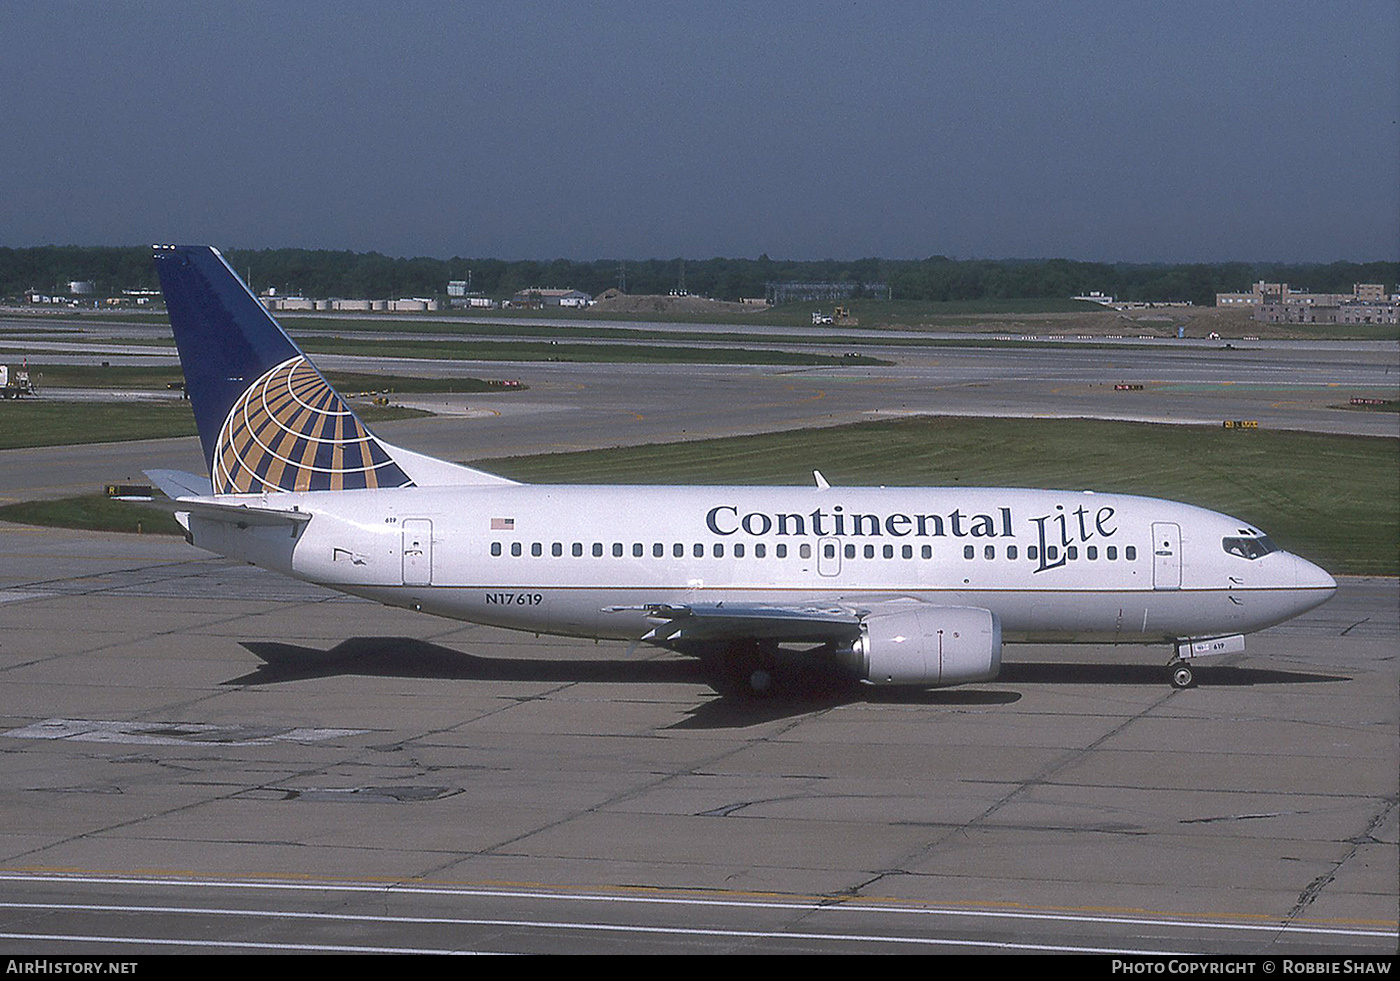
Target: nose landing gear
point(1187, 650)
point(1180, 674)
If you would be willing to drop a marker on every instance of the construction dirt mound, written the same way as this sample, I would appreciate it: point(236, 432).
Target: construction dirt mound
point(615, 302)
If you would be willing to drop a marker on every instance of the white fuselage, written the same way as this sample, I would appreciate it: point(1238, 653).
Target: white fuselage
point(584, 560)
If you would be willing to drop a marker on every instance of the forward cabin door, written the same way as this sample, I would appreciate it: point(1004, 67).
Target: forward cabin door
point(417, 552)
point(1166, 555)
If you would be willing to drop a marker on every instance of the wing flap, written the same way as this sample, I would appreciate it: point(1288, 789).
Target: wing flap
point(725, 621)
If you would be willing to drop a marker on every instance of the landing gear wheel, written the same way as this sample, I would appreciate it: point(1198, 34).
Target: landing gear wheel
point(760, 681)
point(747, 670)
point(1181, 676)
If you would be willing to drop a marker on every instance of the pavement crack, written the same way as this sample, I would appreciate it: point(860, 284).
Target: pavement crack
point(912, 860)
point(638, 790)
point(1315, 888)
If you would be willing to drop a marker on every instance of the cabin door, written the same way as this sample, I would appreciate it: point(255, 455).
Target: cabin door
point(417, 552)
point(1166, 555)
point(829, 556)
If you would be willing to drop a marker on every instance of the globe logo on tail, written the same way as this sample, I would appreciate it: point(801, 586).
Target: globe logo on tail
point(290, 431)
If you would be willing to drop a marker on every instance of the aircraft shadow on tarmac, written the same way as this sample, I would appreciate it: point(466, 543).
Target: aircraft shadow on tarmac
point(800, 690)
point(405, 657)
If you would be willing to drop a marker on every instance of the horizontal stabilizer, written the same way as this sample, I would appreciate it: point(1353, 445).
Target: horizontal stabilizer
point(244, 516)
point(176, 484)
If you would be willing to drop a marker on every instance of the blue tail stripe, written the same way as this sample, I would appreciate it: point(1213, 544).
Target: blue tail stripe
point(225, 337)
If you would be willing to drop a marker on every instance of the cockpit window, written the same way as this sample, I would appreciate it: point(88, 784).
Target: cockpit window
point(1249, 548)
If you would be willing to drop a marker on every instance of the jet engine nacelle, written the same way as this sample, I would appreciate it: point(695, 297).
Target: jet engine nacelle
point(928, 645)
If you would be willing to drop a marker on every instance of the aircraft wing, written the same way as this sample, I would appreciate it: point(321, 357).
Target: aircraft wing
point(680, 624)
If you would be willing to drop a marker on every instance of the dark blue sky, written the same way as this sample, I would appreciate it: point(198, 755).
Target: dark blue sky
point(1089, 130)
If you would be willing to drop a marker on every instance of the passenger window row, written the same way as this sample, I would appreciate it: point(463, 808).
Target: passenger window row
point(678, 550)
point(1052, 552)
point(638, 550)
point(884, 551)
point(759, 550)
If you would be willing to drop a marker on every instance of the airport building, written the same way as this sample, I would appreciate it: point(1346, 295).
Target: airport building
point(359, 305)
point(1263, 292)
point(534, 298)
point(461, 296)
point(1351, 312)
point(1103, 299)
point(76, 287)
point(274, 302)
point(776, 293)
point(1278, 303)
point(306, 304)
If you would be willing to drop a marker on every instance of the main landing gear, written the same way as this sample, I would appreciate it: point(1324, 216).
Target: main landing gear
point(746, 668)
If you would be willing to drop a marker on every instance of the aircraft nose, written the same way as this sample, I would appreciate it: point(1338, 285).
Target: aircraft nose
point(1309, 576)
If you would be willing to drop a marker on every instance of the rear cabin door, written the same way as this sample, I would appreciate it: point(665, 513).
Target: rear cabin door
point(417, 552)
point(1166, 555)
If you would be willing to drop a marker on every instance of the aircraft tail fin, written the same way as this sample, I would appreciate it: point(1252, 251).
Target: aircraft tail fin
point(268, 420)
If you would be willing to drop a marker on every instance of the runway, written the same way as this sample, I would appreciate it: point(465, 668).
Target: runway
point(201, 756)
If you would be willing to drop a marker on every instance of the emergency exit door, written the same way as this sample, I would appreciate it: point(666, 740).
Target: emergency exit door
point(1166, 555)
point(417, 552)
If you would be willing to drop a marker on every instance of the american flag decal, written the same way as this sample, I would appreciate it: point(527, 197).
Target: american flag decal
point(502, 524)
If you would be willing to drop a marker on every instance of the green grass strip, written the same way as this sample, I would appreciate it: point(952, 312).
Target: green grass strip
point(40, 423)
point(93, 512)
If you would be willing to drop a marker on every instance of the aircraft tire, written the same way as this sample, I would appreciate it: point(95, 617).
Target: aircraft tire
point(746, 670)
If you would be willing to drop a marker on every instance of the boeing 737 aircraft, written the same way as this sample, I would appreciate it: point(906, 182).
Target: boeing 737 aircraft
point(895, 586)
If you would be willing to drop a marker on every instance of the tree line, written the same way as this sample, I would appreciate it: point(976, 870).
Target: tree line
point(370, 275)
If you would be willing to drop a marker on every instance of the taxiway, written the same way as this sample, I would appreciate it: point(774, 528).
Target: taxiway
point(200, 755)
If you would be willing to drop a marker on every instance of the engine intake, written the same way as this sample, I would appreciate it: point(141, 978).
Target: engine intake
point(928, 645)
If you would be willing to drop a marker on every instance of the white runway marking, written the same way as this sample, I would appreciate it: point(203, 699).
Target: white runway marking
point(845, 906)
point(228, 944)
point(633, 928)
